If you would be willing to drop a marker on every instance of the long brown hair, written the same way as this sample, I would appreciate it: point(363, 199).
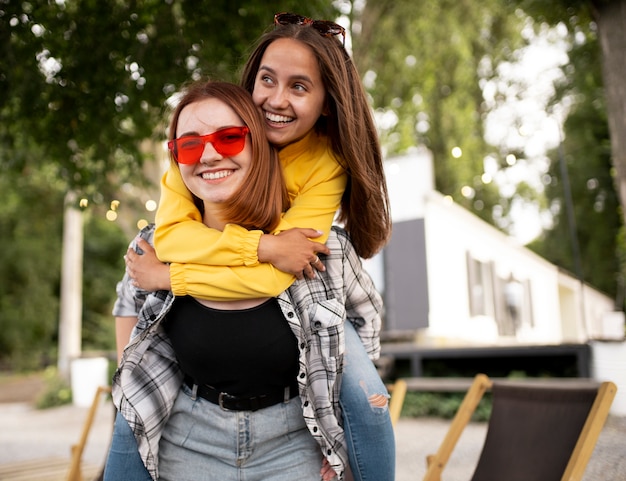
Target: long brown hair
point(262, 197)
point(353, 137)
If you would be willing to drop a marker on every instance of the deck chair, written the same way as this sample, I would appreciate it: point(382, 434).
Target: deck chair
point(538, 430)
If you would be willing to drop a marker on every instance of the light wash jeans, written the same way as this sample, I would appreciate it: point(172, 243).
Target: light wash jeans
point(202, 441)
point(369, 434)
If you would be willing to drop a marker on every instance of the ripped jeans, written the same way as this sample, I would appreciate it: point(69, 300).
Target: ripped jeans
point(366, 421)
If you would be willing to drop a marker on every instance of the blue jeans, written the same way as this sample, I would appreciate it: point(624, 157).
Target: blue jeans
point(123, 461)
point(369, 434)
point(269, 444)
point(366, 421)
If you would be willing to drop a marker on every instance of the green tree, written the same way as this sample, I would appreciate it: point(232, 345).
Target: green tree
point(87, 80)
point(105, 246)
point(586, 154)
point(30, 234)
point(609, 18)
point(424, 64)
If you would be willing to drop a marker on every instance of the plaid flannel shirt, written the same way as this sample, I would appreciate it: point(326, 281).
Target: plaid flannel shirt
point(148, 380)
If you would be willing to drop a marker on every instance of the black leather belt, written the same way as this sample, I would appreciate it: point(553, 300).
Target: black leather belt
point(229, 402)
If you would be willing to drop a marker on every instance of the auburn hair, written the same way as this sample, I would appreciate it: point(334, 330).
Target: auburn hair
point(350, 128)
point(262, 197)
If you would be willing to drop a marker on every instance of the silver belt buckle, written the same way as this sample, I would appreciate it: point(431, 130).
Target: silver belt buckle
point(220, 401)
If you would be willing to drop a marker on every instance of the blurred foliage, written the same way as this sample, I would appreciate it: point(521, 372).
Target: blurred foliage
point(30, 233)
point(103, 266)
point(585, 153)
point(442, 405)
point(30, 236)
point(424, 64)
point(87, 81)
point(56, 392)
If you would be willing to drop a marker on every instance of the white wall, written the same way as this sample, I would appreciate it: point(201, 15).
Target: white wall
point(409, 178)
point(451, 232)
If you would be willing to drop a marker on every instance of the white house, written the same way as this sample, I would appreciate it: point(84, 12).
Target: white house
point(450, 277)
point(459, 288)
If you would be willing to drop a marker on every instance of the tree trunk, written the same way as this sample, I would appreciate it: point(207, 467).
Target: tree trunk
point(611, 19)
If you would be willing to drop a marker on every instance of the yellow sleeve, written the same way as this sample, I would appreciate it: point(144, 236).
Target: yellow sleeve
point(178, 221)
point(219, 283)
point(315, 201)
point(315, 189)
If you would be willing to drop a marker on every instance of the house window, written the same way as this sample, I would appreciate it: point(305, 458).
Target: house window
point(480, 287)
point(507, 300)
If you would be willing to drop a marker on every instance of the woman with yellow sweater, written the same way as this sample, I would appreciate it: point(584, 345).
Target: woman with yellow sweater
point(317, 115)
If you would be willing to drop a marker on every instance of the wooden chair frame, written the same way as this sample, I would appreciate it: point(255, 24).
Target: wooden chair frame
point(579, 457)
point(437, 462)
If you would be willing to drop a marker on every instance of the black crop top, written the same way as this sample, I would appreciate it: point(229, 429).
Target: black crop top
point(241, 352)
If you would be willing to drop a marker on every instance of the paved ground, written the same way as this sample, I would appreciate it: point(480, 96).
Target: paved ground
point(26, 433)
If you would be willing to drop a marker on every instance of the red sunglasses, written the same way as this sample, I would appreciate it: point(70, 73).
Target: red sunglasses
point(226, 142)
point(324, 27)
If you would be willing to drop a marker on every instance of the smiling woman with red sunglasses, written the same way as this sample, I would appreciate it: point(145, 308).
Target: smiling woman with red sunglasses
point(317, 115)
point(245, 388)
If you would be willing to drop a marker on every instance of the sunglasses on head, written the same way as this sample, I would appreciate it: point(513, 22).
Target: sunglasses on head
point(226, 142)
point(324, 27)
